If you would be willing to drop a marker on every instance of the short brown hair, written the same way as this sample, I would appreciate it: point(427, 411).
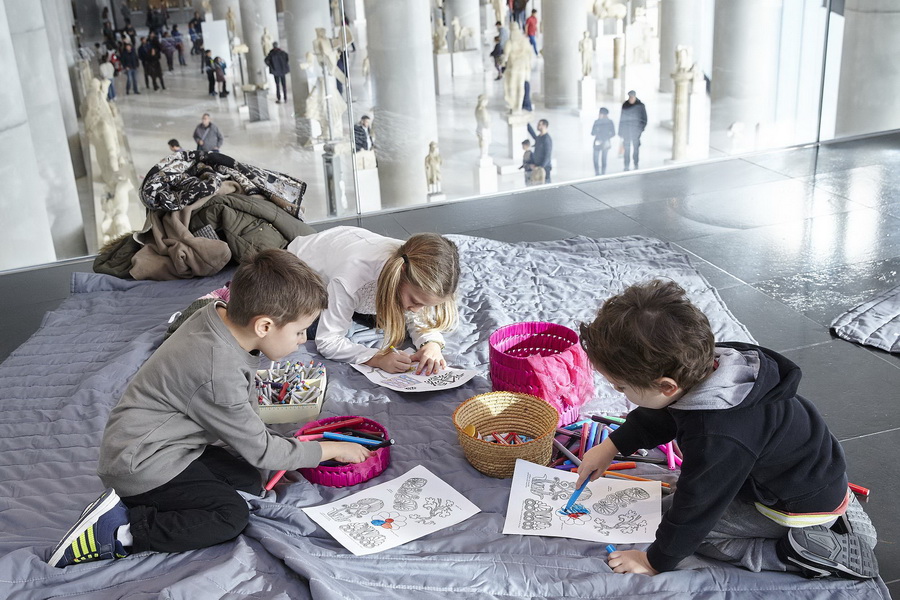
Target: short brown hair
point(651, 330)
point(276, 284)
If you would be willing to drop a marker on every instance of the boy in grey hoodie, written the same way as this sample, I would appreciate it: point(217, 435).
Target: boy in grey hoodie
point(170, 488)
point(763, 481)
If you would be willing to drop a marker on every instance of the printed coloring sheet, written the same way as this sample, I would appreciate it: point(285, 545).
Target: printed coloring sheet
point(393, 513)
point(410, 382)
point(608, 510)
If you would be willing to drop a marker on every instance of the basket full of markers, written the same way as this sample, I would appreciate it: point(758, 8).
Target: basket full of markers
point(290, 392)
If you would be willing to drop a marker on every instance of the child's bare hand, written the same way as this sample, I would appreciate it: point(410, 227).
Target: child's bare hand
point(345, 452)
point(392, 362)
point(630, 561)
point(429, 358)
point(595, 461)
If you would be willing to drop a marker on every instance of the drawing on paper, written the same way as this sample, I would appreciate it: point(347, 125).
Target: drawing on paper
point(445, 378)
point(437, 509)
point(360, 508)
point(374, 520)
point(555, 488)
point(621, 499)
point(630, 522)
point(400, 381)
point(411, 382)
point(363, 534)
point(619, 512)
point(406, 496)
point(535, 515)
point(388, 520)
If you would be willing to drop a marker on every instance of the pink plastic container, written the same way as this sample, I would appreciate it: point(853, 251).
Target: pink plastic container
point(545, 360)
point(351, 474)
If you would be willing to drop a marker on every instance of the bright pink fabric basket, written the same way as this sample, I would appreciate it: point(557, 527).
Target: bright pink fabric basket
point(350, 474)
point(545, 360)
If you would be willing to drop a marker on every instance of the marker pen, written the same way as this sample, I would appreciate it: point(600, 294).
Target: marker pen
point(338, 437)
point(610, 548)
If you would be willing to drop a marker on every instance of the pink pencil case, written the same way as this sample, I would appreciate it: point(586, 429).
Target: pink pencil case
point(351, 474)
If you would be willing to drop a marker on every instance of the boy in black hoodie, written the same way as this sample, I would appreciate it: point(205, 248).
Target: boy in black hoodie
point(763, 482)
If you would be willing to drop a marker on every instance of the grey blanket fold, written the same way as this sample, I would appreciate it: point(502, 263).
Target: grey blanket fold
point(875, 322)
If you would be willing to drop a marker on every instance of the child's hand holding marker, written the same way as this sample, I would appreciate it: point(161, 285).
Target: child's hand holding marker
point(345, 452)
point(393, 361)
point(596, 461)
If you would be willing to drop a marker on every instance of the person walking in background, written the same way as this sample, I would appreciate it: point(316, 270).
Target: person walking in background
point(526, 165)
point(179, 45)
point(362, 134)
point(603, 131)
point(531, 29)
point(631, 125)
point(108, 72)
point(209, 67)
point(219, 65)
point(543, 147)
point(143, 53)
point(279, 66)
point(167, 47)
point(130, 63)
point(154, 68)
point(207, 135)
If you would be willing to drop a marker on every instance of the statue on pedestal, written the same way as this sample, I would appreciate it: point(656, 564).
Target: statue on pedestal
point(498, 9)
point(608, 9)
point(324, 51)
point(327, 107)
point(266, 40)
point(231, 22)
point(517, 57)
point(433, 163)
point(483, 128)
point(439, 38)
point(586, 47)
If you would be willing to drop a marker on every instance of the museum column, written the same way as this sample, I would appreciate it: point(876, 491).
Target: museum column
point(26, 239)
point(870, 82)
point(405, 117)
point(564, 23)
point(256, 17)
point(679, 25)
point(55, 187)
point(744, 78)
point(301, 18)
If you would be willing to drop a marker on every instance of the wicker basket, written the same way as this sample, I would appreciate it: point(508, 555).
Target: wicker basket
point(544, 360)
point(505, 412)
point(351, 474)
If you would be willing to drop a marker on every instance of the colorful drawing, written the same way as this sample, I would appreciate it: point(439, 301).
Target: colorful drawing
point(630, 522)
point(620, 499)
point(437, 509)
point(388, 520)
point(363, 534)
point(577, 515)
point(357, 509)
point(535, 515)
point(555, 488)
point(400, 381)
point(406, 496)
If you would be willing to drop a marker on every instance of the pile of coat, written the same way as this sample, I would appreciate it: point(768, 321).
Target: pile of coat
point(205, 210)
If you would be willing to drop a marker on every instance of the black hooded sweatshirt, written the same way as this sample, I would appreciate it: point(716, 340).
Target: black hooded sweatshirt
point(744, 433)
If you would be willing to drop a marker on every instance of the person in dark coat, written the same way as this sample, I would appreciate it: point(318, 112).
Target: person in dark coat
point(209, 67)
point(631, 126)
point(154, 68)
point(543, 147)
point(603, 132)
point(143, 53)
point(362, 134)
point(278, 62)
point(130, 63)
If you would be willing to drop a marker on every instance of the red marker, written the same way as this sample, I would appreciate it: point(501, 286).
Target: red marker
point(333, 426)
point(858, 489)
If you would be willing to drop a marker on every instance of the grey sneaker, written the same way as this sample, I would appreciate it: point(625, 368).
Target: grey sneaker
point(820, 552)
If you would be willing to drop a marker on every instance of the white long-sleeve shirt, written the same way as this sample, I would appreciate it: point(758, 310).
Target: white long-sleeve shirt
point(350, 259)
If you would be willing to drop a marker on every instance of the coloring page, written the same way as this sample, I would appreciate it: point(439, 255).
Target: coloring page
point(410, 382)
point(608, 510)
point(393, 513)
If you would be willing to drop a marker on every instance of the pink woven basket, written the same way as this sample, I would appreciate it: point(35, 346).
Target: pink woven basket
point(351, 474)
point(544, 360)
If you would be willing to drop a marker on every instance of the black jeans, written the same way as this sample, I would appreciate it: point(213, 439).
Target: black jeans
point(636, 144)
point(211, 79)
point(198, 508)
point(281, 87)
point(600, 159)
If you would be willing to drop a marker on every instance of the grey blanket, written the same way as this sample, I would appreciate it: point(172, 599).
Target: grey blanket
point(875, 322)
point(59, 386)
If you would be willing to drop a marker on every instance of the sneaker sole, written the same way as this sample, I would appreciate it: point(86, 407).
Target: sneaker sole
point(827, 552)
point(88, 518)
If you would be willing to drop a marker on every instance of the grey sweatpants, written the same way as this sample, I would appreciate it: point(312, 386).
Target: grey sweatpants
point(745, 537)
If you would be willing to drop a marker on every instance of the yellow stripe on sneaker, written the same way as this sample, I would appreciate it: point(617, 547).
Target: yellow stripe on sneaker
point(92, 542)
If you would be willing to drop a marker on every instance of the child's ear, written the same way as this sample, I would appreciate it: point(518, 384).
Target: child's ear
point(262, 326)
point(667, 386)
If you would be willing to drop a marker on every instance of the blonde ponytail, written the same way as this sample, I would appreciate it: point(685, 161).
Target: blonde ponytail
point(429, 262)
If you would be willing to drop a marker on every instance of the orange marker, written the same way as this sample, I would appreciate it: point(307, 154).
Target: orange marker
point(621, 465)
point(633, 478)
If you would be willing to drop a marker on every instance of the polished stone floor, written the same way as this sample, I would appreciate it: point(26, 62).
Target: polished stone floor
point(790, 239)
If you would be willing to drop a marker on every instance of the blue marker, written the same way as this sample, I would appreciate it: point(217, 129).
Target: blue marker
point(339, 437)
point(610, 548)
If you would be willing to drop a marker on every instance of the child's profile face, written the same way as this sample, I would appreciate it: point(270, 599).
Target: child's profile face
point(649, 397)
point(414, 299)
point(282, 341)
